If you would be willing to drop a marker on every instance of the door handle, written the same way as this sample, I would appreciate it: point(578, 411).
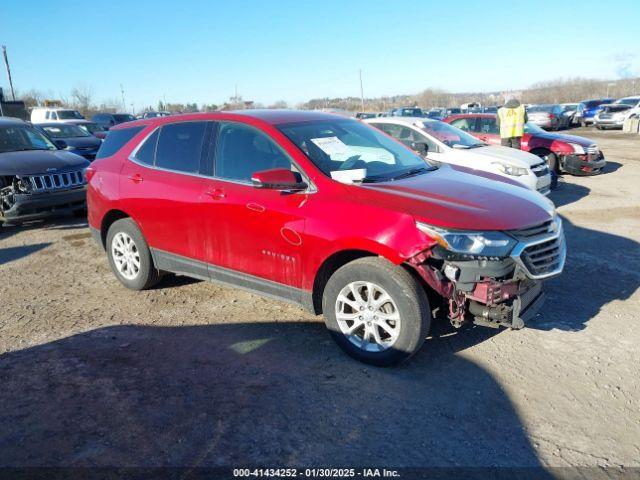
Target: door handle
point(135, 178)
point(216, 194)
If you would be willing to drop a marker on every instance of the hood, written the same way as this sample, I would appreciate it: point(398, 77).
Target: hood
point(518, 158)
point(82, 142)
point(563, 137)
point(39, 161)
point(513, 103)
point(463, 199)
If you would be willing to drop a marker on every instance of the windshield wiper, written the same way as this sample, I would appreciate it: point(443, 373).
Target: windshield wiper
point(478, 145)
point(26, 149)
point(411, 172)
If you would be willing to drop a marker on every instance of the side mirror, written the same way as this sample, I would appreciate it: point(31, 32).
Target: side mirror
point(61, 144)
point(421, 147)
point(278, 179)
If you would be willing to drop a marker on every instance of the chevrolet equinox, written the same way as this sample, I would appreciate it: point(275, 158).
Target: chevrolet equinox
point(328, 213)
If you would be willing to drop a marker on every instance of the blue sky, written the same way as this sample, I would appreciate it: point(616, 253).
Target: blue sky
point(197, 51)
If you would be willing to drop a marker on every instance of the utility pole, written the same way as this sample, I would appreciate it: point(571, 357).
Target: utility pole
point(123, 102)
point(6, 62)
point(361, 91)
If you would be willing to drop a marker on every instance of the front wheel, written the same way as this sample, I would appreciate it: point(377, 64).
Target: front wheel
point(377, 312)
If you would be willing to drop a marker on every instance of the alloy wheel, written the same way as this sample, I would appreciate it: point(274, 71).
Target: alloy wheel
point(126, 256)
point(368, 316)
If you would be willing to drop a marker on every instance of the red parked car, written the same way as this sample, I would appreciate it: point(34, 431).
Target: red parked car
point(326, 212)
point(564, 153)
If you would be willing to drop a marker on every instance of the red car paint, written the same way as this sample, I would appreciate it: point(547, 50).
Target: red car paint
point(539, 143)
point(287, 238)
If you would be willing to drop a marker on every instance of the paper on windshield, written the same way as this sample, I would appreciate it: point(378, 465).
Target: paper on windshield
point(349, 176)
point(331, 145)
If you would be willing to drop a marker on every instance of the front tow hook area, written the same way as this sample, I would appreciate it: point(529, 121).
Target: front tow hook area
point(511, 315)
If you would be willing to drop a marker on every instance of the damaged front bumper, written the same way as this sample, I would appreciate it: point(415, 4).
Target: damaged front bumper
point(583, 164)
point(496, 292)
point(23, 207)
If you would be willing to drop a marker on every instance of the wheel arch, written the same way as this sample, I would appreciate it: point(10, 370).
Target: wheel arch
point(109, 218)
point(329, 267)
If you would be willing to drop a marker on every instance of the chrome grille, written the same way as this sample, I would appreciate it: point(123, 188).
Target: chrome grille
point(55, 181)
point(529, 232)
point(540, 170)
point(543, 258)
point(541, 249)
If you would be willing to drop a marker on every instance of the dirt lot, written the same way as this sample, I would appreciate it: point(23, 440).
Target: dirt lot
point(192, 374)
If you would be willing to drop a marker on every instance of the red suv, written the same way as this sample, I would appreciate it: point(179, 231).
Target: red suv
point(563, 152)
point(326, 212)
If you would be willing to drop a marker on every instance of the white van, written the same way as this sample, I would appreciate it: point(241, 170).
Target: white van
point(54, 114)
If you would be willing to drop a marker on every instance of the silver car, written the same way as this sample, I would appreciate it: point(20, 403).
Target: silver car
point(611, 116)
point(548, 116)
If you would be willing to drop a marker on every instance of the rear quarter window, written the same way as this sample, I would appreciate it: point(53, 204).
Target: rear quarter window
point(116, 139)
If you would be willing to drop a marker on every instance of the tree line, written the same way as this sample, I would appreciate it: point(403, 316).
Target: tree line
point(81, 98)
point(571, 90)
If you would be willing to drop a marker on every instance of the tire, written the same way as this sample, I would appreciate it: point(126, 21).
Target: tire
point(552, 161)
point(146, 275)
point(407, 302)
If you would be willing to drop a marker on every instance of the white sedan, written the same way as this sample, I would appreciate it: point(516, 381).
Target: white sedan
point(441, 142)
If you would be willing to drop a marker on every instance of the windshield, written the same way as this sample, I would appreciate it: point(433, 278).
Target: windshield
point(121, 118)
point(69, 115)
point(540, 108)
point(350, 151)
point(628, 101)
point(410, 112)
point(596, 103)
point(18, 138)
point(620, 107)
point(533, 128)
point(65, 131)
point(450, 135)
point(92, 127)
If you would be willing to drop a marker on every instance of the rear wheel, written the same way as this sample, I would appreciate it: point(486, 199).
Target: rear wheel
point(376, 311)
point(129, 256)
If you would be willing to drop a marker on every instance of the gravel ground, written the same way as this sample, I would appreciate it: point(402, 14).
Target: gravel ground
point(193, 374)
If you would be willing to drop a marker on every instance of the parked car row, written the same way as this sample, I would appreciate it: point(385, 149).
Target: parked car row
point(100, 122)
point(562, 152)
point(443, 143)
point(603, 113)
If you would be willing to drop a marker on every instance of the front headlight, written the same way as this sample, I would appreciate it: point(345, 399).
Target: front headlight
point(577, 148)
point(485, 244)
point(509, 169)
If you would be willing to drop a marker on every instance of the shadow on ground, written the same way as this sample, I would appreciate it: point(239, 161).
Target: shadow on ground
point(611, 167)
point(9, 254)
point(250, 394)
point(600, 268)
point(566, 193)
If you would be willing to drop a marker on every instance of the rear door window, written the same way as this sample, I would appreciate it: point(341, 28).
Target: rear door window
point(116, 139)
point(180, 146)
